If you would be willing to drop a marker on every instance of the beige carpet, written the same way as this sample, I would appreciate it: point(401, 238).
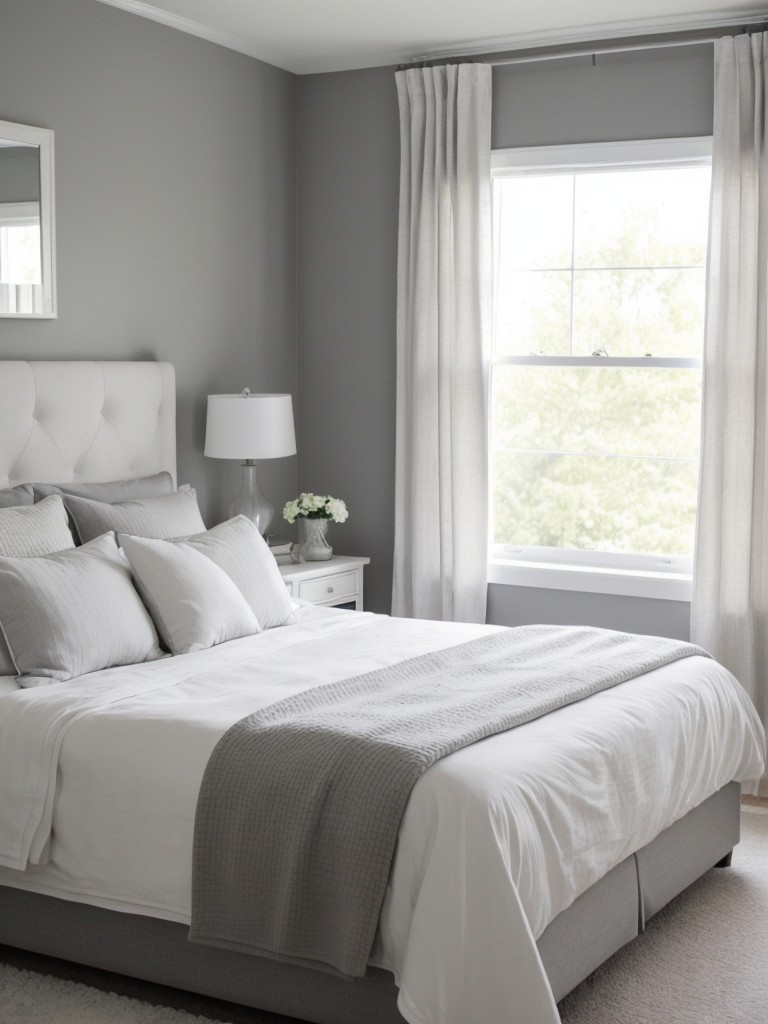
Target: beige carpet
point(702, 960)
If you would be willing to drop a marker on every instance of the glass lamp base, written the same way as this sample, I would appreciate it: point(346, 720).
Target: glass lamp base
point(250, 502)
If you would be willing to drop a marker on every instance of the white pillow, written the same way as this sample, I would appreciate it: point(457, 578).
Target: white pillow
point(193, 602)
point(171, 515)
point(27, 531)
point(238, 548)
point(73, 612)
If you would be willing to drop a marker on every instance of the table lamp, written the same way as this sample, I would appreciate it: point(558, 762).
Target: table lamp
point(250, 427)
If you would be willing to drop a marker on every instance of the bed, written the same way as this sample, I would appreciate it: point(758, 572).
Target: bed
point(584, 822)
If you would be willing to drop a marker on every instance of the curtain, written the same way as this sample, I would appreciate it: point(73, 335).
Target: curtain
point(443, 317)
point(729, 614)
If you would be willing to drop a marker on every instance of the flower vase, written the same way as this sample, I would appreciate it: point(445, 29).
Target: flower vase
point(313, 539)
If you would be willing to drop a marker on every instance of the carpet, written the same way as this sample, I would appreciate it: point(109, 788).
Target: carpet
point(701, 960)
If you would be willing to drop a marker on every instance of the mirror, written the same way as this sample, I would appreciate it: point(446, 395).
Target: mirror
point(27, 272)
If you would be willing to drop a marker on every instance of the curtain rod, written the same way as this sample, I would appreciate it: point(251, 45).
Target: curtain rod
point(561, 51)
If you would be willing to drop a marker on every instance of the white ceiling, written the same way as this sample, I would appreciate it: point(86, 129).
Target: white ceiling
point(307, 36)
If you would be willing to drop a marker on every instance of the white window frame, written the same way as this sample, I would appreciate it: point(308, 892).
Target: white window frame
point(595, 572)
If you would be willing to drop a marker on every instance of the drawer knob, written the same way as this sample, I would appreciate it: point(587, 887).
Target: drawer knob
point(330, 590)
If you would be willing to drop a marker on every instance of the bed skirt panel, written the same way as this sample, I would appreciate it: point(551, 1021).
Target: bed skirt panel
point(614, 901)
point(688, 848)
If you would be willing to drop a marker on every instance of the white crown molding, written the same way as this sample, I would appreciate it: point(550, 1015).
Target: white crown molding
point(586, 34)
point(582, 35)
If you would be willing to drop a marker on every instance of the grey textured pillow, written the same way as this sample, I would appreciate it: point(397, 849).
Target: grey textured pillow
point(116, 490)
point(30, 530)
point(14, 496)
point(238, 548)
point(171, 515)
point(73, 612)
point(193, 602)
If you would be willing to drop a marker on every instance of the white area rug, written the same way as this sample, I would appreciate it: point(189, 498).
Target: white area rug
point(702, 960)
point(28, 998)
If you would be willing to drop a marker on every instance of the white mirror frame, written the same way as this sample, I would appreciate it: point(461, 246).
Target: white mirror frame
point(42, 138)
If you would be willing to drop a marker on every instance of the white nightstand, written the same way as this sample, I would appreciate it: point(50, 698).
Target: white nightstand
point(338, 581)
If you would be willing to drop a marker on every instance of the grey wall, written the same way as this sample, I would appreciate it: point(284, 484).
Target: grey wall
point(348, 181)
point(652, 94)
point(347, 208)
point(175, 210)
point(178, 174)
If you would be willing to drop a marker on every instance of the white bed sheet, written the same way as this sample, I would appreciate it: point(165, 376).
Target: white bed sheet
point(496, 840)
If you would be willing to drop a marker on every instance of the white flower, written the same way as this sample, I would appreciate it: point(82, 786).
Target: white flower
point(315, 506)
point(291, 510)
point(337, 510)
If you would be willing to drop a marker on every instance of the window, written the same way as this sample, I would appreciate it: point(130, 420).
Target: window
point(596, 368)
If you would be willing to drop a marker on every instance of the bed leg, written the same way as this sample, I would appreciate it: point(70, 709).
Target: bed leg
point(726, 861)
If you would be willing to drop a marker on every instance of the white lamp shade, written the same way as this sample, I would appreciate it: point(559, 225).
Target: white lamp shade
point(249, 426)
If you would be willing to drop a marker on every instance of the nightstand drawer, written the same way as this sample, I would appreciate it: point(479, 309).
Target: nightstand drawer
point(329, 588)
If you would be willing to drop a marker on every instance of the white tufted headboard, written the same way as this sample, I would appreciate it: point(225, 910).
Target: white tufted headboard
point(65, 422)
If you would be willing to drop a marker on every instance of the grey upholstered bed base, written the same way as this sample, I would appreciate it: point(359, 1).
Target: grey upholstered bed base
point(601, 921)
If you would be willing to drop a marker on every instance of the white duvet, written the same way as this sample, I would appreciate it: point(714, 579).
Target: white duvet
point(99, 779)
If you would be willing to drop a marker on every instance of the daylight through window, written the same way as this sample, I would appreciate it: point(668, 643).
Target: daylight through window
point(596, 375)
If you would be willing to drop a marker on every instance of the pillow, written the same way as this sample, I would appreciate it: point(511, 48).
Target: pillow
point(170, 515)
point(14, 496)
point(73, 612)
point(193, 602)
point(116, 490)
point(238, 548)
point(31, 530)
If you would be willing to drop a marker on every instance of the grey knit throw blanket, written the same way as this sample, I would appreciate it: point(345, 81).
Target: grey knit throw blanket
point(299, 809)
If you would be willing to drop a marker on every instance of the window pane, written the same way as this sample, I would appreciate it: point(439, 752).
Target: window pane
point(598, 458)
point(533, 313)
point(651, 218)
point(534, 217)
point(651, 412)
point(638, 312)
point(594, 503)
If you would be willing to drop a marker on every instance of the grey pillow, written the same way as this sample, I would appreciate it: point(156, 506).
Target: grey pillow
point(73, 612)
point(171, 515)
point(14, 496)
point(116, 490)
point(193, 602)
point(31, 530)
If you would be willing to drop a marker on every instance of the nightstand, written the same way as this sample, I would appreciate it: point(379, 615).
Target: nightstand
point(338, 582)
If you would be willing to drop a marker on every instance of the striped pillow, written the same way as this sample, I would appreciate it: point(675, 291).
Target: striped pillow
point(31, 530)
point(171, 515)
point(73, 612)
point(238, 548)
point(193, 602)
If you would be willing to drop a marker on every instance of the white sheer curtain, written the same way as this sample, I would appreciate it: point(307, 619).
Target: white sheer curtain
point(729, 615)
point(443, 316)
